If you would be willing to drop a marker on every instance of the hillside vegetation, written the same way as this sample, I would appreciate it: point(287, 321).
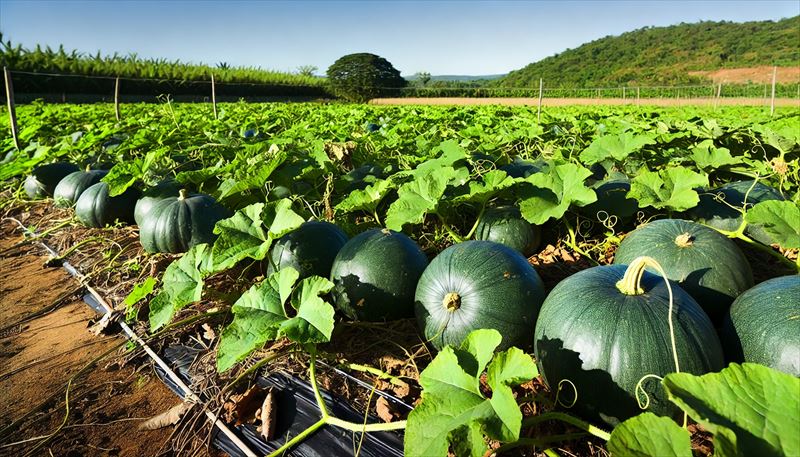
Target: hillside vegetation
point(666, 55)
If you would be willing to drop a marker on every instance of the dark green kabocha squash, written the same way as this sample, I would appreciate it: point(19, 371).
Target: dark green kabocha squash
point(375, 276)
point(719, 208)
point(160, 191)
point(613, 207)
point(311, 249)
point(505, 225)
point(175, 224)
point(478, 284)
point(95, 208)
point(43, 180)
point(72, 186)
point(763, 325)
point(601, 330)
point(705, 263)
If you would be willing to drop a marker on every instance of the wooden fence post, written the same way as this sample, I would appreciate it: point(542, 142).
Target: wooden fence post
point(637, 95)
point(214, 96)
point(116, 99)
point(772, 102)
point(12, 112)
point(539, 114)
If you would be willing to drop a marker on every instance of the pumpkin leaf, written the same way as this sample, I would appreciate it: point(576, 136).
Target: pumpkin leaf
point(671, 188)
point(240, 236)
point(243, 235)
point(553, 193)
point(139, 292)
point(183, 284)
point(454, 412)
point(254, 179)
point(512, 367)
point(366, 199)
point(420, 196)
point(259, 316)
point(490, 184)
point(314, 320)
point(647, 435)
point(709, 157)
point(751, 409)
point(780, 219)
point(281, 219)
point(617, 147)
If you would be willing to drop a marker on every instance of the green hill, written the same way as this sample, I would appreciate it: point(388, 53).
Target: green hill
point(666, 55)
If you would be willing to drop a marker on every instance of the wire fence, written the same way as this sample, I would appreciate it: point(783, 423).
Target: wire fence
point(70, 88)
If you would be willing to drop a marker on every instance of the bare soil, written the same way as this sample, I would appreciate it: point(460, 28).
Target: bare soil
point(45, 342)
point(763, 75)
point(463, 101)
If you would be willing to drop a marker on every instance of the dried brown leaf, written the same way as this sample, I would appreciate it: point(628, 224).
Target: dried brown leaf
point(384, 410)
point(170, 417)
point(268, 411)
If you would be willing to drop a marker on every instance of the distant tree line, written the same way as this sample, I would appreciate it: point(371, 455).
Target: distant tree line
point(666, 55)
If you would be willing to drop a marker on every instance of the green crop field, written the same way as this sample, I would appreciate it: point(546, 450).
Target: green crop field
point(582, 282)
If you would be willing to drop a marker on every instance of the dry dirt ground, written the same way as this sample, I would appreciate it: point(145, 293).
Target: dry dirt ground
point(44, 342)
point(461, 101)
point(763, 75)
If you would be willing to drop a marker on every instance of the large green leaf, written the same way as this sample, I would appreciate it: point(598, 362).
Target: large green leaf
point(454, 412)
point(751, 409)
point(366, 199)
point(259, 316)
point(780, 219)
point(554, 191)
point(240, 236)
point(484, 189)
point(314, 320)
point(709, 157)
point(243, 235)
point(253, 176)
point(183, 284)
point(617, 147)
point(421, 196)
point(671, 188)
point(648, 435)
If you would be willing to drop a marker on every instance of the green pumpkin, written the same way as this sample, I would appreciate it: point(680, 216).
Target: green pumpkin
point(719, 208)
point(160, 191)
point(72, 186)
point(599, 335)
point(43, 180)
point(612, 202)
point(705, 263)
point(478, 284)
point(763, 325)
point(375, 276)
point(311, 249)
point(95, 208)
point(175, 224)
point(505, 225)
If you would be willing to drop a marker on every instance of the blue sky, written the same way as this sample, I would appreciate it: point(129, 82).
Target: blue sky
point(441, 37)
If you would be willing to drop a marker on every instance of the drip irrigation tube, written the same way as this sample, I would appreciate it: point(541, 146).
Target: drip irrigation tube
point(109, 314)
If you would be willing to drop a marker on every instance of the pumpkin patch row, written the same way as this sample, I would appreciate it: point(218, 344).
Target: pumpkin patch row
point(170, 219)
point(598, 335)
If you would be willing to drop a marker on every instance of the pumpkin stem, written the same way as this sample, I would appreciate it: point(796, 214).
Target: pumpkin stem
point(88, 168)
point(631, 282)
point(452, 301)
point(182, 194)
point(684, 240)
